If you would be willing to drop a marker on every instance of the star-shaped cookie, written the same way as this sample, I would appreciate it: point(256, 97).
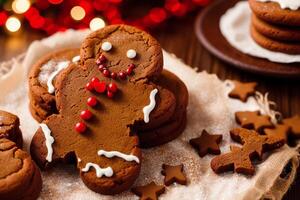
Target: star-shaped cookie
point(173, 174)
point(149, 192)
point(206, 143)
point(294, 125)
point(242, 90)
point(253, 120)
point(280, 131)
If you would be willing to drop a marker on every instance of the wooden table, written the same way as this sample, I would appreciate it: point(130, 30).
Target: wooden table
point(178, 37)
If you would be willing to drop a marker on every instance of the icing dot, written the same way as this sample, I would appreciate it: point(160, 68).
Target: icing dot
point(106, 46)
point(76, 59)
point(131, 53)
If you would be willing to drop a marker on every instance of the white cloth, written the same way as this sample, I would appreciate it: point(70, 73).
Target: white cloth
point(209, 108)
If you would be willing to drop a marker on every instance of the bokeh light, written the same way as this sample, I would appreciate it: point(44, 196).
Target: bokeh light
point(13, 24)
point(20, 6)
point(77, 13)
point(96, 24)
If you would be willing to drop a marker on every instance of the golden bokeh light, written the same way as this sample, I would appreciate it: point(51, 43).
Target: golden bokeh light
point(13, 24)
point(96, 23)
point(77, 13)
point(20, 6)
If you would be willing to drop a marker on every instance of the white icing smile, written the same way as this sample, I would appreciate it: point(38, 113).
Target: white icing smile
point(110, 154)
point(147, 109)
point(108, 172)
point(131, 53)
point(49, 141)
point(285, 4)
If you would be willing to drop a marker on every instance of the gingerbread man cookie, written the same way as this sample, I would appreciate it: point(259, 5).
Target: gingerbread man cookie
point(99, 101)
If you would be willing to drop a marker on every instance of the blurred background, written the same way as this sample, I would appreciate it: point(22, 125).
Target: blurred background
point(170, 21)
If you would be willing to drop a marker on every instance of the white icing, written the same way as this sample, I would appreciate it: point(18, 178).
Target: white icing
point(49, 141)
point(110, 154)
point(235, 27)
point(75, 59)
point(49, 71)
point(131, 53)
point(147, 109)
point(285, 4)
point(108, 172)
point(106, 46)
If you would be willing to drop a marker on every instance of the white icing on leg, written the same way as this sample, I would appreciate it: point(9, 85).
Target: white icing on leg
point(108, 172)
point(75, 59)
point(110, 154)
point(147, 109)
point(49, 141)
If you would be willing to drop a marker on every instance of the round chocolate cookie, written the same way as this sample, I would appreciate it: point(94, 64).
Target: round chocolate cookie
point(273, 45)
point(176, 124)
point(20, 179)
point(10, 128)
point(273, 13)
point(276, 32)
point(42, 81)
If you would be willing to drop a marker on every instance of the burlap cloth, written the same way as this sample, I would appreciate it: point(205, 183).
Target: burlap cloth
point(209, 108)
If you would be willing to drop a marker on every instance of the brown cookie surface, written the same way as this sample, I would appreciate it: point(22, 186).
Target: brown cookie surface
point(174, 174)
point(242, 90)
point(274, 45)
point(42, 97)
point(9, 128)
point(276, 32)
point(272, 12)
point(150, 191)
point(20, 179)
point(253, 120)
point(176, 124)
point(101, 138)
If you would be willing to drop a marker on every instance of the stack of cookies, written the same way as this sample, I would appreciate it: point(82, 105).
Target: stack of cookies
point(99, 104)
point(276, 25)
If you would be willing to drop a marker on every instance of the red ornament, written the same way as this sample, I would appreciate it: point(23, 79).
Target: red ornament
point(102, 67)
point(113, 75)
point(86, 114)
point(100, 87)
point(89, 86)
point(101, 60)
point(106, 73)
point(80, 127)
point(112, 87)
point(122, 75)
point(92, 101)
point(109, 94)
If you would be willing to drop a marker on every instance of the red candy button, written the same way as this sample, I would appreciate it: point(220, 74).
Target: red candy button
point(100, 87)
point(109, 94)
point(86, 114)
point(92, 101)
point(122, 75)
point(80, 127)
point(101, 60)
point(106, 73)
point(101, 67)
point(89, 86)
point(112, 87)
point(113, 75)
point(94, 80)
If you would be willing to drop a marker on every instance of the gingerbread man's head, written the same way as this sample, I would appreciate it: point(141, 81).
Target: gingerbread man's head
point(99, 101)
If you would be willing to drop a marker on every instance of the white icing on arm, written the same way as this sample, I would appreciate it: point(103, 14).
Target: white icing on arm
point(108, 172)
point(147, 109)
point(110, 154)
point(49, 141)
point(60, 66)
point(75, 59)
point(285, 4)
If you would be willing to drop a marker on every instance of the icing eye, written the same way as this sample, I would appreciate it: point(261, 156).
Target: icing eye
point(106, 46)
point(131, 53)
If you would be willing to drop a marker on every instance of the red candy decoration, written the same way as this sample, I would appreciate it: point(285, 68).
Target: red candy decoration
point(86, 114)
point(94, 80)
point(113, 75)
point(129, 70)
point(100, 87)
point(89, 86)
point(101, 60)
point(122, 75)
point(106, 73)
point(92, 101)
point(80, 127)
point(109, 94)
point(102, 67)
point(112, 87)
